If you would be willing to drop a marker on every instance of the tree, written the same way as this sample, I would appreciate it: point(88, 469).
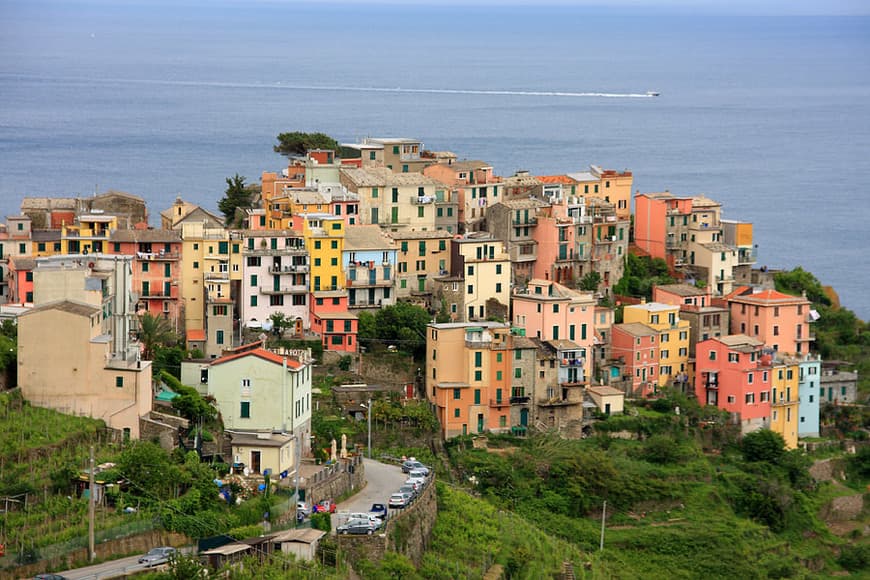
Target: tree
point(297, 143)
point(155, 332)
point(280, 323)
point(236, 195)
point(763, 445)
point(590, 282)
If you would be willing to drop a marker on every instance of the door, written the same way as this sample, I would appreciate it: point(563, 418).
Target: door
point(607, 408)
point(524, 417)
point(480, 422)
point(255, 461)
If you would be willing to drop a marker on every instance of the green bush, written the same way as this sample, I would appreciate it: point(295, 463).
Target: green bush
point(321, 521)
point(855, 558)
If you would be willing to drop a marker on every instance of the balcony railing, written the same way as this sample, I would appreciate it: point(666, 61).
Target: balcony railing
point(558, 402)
point(499, 402)
point(216, 276)
point(422, 199)
point(292, 269)
point(294, 289)
point(268, 251)
point(532, 221)
point(365, 304)
point(745, 256)
point(157, 256)
point(369, 283)
point(520, 400)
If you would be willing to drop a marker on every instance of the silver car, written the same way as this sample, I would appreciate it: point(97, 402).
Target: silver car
point(157, 556)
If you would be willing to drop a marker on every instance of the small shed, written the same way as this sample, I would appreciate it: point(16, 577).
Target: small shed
point(608, 400)
point(228, 553)
point(302, 542)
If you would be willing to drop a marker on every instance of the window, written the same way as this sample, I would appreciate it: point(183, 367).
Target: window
point(253, 300)
point(750, 378)
point(750, 398)
point(478, 359)
point(765, 396)
point(775, 330)
point(421, 248)
point(476, 396)
point(733, 357)
point(457, 393)
point(253, 280)
point(712, 355)
point(456, 413)
point(732, 399)
point(219, 337)
point(518, 373)
point(119, 381)
point(498, 375)
point(245, 411)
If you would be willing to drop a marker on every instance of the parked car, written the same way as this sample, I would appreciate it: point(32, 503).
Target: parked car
point(157, 556)
point(399, 500)
point(326, 506)
point(357, 526)
point(409, 490)
point(303, 508)
point(49, 577)
point(419, 473)
point(379, 510)
point(417, 482)
point(412, 463)
point(378, 522)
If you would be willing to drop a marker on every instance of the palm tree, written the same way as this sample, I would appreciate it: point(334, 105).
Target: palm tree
point(155, 332)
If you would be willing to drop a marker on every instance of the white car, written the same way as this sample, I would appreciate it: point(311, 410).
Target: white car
point(421, 473)
point(376, 521)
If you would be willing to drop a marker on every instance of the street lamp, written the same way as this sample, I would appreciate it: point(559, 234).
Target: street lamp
point(368, 409)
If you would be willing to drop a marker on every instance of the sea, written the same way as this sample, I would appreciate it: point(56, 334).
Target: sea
point(768, 114)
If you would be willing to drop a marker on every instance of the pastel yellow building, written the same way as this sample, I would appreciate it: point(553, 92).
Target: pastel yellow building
point(211, 260)
point(673, 351)
point(88, 235)
point(324, 238)
point(784, 401)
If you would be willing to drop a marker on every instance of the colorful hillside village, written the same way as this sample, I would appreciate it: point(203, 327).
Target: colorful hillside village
point(331, 236)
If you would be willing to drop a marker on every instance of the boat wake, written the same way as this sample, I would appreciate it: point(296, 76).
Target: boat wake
point(290, 86)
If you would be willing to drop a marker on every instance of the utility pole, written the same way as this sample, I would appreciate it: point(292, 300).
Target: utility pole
point(91, 504)
point(370, 428)
point(603, 517)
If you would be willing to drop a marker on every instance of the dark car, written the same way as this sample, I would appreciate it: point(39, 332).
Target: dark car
point(49, 577)
point(357, 526)
point(379, 510)
point(157, 556)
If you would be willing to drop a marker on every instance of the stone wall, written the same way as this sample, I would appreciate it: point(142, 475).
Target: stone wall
point(335, 480)
point(161, 428)
point(407, 532)
point(138, 544)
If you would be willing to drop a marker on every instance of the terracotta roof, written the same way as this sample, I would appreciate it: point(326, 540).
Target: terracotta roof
point(555, 179)
point(605, 391)
point(260, 353)
point(768, 296)
point(196, 335)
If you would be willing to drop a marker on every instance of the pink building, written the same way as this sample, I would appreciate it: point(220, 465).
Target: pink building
point(781, 321)
point(330, 318)
point(635, 345)
point(659, 219)
point(733, 375)
point(550, 311)
point(156, 268)
point(21, 279)
point(556, 244)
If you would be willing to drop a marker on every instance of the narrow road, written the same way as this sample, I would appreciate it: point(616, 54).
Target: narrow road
point(382, 481)
point(111, 569)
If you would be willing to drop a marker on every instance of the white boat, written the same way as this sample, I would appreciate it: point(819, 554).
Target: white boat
point(652, 93)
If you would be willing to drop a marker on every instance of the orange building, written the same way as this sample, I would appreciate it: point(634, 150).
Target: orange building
point(469, 376)
point(330, 318)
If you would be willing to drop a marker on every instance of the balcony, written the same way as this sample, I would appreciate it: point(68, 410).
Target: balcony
point(532, 221)
point(520, 400)
point(478, 344)
point(422, 199)
point(517, 255)
point(571, 362)
point(158, 256)
point(217, 276)
point(605, 240)
point(267, 251)
point(293, 289)
point(558, 402)
point(369, 283)
point(673, 243)
point(809, 337)
point(365, 304)
point(157, 295)
point(746, 255)
point(293, 269)
point(498, 403)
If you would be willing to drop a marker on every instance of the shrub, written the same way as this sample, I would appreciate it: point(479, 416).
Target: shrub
point(855, 558)
point(763, 445)
point(321, 521)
